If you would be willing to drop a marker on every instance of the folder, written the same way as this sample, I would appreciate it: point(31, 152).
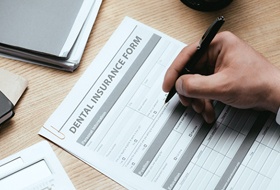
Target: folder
point(51, 33)
point(6, 108)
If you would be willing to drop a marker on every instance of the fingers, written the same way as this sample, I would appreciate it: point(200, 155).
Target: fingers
point(178, 64)
point(197, 90)
point(205, 108)
point(184, 56)
point(222, 41)
point(198, 105)
point(184, 100)
point(200, 86)
point(208, 113)
point(201, 106)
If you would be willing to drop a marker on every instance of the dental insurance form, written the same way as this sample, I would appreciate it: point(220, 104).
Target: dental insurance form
point(115, 120)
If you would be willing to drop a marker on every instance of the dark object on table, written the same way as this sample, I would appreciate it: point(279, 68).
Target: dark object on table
point(6, 108)
point(206, 5)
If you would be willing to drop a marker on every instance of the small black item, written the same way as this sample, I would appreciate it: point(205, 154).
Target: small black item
point(206, 5)
point(6, 108)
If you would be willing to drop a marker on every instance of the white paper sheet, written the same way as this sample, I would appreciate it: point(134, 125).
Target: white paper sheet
point(36, 167)
point(115, 120)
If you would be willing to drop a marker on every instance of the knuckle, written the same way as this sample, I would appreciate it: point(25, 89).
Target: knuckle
point(227, 37)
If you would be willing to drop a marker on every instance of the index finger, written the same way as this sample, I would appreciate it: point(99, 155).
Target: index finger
point(178, 64)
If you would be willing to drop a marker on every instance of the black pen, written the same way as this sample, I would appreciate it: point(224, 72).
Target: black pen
point(201, 49)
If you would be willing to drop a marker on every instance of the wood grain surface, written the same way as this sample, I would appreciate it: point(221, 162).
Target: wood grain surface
point(255, 21)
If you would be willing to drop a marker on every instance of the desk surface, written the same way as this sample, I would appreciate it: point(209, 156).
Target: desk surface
point(257, 22)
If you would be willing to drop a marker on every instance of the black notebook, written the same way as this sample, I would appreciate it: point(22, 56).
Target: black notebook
point(6, 108)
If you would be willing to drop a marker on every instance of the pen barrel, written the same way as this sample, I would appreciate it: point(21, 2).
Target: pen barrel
point(204, 44)
point(190, 66)
point(185, 71)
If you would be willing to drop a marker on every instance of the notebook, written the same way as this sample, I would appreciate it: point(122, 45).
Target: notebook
point(12, 87)
point(6, 108)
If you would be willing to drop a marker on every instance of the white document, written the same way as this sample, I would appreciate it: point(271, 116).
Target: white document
point(115, 120)
point(36, 167)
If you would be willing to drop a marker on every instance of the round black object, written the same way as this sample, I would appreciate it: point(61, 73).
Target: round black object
point(206, 5)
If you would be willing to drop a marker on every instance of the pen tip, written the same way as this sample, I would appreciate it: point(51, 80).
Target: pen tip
point(166, 100)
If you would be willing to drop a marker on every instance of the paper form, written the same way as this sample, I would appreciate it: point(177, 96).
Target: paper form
point(115, 120)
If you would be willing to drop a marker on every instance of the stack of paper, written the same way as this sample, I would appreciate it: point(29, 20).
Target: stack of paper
point(52, 33)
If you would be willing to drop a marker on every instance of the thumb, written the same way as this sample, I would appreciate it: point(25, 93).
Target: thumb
point(200, 86)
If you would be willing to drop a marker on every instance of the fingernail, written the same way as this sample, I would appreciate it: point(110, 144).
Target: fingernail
point(179, 85)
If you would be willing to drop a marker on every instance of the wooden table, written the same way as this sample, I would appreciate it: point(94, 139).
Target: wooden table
point(255, 21)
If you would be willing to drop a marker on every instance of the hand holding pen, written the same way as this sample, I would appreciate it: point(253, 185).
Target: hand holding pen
point(200, 51)
point(230, 71)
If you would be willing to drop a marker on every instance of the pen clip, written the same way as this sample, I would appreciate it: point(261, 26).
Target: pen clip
point(211, 31)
